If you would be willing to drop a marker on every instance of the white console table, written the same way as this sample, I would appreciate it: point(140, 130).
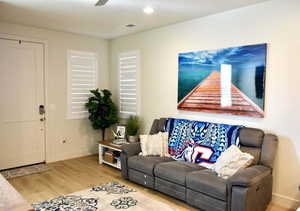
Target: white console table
point(105, 146)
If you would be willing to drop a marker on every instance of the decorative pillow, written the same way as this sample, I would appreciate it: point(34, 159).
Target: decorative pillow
point(230, 161)
point(154, 144)
point(165, 144)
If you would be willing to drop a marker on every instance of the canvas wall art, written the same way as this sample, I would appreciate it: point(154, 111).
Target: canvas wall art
point(229, 80)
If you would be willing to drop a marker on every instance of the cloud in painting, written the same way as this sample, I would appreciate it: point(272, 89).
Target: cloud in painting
point(234, 55)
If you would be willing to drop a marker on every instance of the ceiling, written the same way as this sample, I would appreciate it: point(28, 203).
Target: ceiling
point(81, 16)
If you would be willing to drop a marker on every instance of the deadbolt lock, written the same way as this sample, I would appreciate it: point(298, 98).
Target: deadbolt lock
point(42, 109)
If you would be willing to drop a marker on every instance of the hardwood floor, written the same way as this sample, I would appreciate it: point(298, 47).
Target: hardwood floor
point(74, 175)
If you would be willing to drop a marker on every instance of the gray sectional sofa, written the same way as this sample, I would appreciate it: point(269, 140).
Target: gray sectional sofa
point(249, 189)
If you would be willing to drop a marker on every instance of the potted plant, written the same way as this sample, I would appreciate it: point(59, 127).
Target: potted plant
point(103, 112)
point(132, 128)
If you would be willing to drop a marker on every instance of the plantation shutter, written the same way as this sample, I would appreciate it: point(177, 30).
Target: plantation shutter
point(128, 83)
point(82, 77)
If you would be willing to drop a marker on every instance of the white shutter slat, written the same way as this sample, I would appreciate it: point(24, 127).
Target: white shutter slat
point(82, 72)
point(82, 78)
point(81, 100)
point(128, 108)
point(127, 86)
point(128, 67)
point(126, 77)
point(128, 93)
point(82, 81)
point(128, 81)
point(124, 58)
point(128, 100)
point(83, 84)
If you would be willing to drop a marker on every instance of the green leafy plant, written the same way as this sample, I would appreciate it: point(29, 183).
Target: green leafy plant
point(103, 112)
point(132, 126)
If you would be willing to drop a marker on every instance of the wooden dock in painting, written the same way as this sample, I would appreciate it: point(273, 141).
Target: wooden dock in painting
point(206, 97)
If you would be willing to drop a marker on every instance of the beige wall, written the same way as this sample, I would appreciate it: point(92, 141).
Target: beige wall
point(81, 139)
point(274, 22)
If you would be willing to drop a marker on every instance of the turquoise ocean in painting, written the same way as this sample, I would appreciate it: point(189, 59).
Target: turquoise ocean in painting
point(248, 69)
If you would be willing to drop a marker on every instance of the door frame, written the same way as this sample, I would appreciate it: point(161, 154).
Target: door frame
point(5, 36)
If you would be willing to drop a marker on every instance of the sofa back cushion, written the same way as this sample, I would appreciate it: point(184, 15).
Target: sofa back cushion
point(158, 125)
point(154, 127)
point(251, 137)
point(268, 150)
point(251, 140)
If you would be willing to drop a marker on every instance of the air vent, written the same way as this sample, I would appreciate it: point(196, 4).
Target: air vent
point(130, 25)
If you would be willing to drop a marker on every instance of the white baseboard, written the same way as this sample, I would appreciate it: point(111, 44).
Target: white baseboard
point(285, 201)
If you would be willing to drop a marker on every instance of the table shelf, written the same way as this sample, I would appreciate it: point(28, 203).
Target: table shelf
point(105, 146)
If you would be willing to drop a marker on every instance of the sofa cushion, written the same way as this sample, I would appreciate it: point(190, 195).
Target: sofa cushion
point(205, 202)
point(146, 164)
point(269, 149)
point(207, 182)
point(255, 152)
point(141, 178)
point(170, 188)
point(175, 171)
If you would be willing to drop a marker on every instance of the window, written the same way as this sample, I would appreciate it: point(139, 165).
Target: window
point(129, 64)
point(82, 77)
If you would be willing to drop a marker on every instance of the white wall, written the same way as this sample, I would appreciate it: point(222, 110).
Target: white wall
point(275, 22)
point(81, 138)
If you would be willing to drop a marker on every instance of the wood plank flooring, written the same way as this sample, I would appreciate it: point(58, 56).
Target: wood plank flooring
point(81, 173)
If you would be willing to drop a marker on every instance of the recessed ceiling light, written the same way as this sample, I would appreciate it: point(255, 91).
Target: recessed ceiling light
point(148, 10)
point(130, 25)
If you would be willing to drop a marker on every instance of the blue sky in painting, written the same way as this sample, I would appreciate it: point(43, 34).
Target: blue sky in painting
point(234, 55)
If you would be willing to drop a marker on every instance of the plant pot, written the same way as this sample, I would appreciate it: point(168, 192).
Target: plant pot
point(132, 139)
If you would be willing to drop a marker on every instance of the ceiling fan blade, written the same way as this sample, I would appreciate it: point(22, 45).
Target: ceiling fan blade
point(101, 2)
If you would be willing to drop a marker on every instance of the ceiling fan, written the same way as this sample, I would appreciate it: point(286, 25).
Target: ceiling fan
point(101, 2)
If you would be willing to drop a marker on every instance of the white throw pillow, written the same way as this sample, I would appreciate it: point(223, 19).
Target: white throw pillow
point(165, 144)
point(151, 144)
point(154, 144)
point(230, 161)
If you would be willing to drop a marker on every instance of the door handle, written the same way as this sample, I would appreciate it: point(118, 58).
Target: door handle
point(42, 109)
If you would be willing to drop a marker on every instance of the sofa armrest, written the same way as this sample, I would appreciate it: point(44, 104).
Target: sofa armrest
point(131, 149)
point(128, 150)
point(250, 189)
point(249, 176)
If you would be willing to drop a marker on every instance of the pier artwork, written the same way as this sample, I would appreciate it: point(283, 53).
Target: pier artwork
point(207, 97)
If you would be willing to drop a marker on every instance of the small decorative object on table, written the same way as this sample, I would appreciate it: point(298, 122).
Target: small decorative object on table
point(119, 142)
point(132, 127)
point(119, 136)
point(120, 132)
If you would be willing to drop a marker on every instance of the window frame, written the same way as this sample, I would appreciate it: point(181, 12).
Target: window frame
point(70, 52)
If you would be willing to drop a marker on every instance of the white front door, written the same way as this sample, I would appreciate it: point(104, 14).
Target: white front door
point(22, 136)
